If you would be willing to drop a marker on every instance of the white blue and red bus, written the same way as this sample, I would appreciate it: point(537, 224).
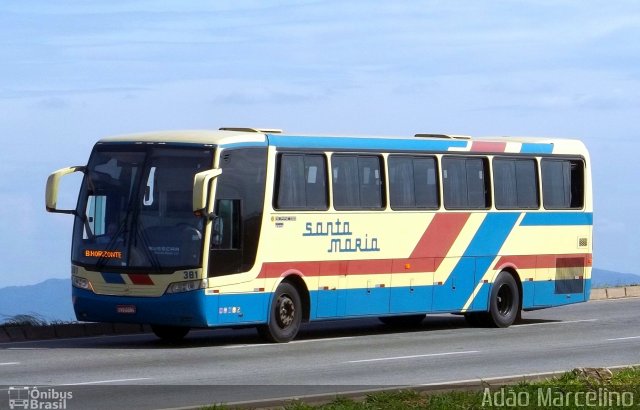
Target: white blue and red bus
point(253, 227)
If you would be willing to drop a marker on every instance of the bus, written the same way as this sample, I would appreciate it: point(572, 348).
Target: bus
point(254, 227)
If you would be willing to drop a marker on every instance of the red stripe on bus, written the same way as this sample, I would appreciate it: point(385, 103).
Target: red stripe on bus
point(367, 267)
point(414, 265)
point(486, 146)
point(351, 267)
point(575, 260)
point(440, 236)
point(140, 279)
point(326, 268)
point(426, 264)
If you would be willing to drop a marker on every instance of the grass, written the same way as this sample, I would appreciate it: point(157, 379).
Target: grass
point(569, 391)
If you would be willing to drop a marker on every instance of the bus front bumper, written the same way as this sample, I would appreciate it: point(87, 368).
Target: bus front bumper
point(190, 309)
point(180, 309)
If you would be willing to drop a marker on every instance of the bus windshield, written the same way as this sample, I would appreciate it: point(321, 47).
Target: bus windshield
point(135, 209)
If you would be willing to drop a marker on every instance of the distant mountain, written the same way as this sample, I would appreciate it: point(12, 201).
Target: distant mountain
point(49, 300)
point(601, 278)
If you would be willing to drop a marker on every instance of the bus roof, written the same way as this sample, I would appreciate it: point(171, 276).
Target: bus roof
point(232, 137)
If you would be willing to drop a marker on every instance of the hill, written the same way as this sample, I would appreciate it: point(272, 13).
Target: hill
point(50, 300)
point(601, 278)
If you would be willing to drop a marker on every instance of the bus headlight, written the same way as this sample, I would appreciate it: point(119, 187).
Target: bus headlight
point(186, 286)
point(81, 283)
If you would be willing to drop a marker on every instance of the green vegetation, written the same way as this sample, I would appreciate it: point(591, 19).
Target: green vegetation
point(578, 389)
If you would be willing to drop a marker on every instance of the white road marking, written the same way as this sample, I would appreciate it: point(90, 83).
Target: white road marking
point(412, 356)
point(295, 342)
point(27, 348)
point(322, 340)
point(557, 323)
point(624, 338)
point(9, 363)
point(105, 381)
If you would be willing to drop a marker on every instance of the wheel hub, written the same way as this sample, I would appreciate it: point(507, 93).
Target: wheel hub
point(504, 300)
point(286, 311)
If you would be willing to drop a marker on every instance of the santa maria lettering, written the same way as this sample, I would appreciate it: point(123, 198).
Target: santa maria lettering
point(341, 238)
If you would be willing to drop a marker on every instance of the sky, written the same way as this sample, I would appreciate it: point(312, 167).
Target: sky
point(72, 72)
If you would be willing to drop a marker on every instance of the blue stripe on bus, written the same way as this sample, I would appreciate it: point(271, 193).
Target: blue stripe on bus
point(545, 295)
point(478, 256)
point(256, 144)
point(292, 141)
point(113, 278)
point(195, 309)
point(492, 233)
point(536, 148)
point(239, 307)
point(557, 219)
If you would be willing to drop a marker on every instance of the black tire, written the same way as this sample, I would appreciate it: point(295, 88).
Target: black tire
point(402, 321)
point(285, 315)
point(504, 302)
point(170, 333)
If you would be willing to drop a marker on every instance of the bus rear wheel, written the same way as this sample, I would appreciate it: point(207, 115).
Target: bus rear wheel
point(504, 302)
point(170, 333)
point(285, 315)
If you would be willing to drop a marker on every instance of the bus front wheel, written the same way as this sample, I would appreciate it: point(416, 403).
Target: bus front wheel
point(285, 315)
point(170, 333)
point(504, 302)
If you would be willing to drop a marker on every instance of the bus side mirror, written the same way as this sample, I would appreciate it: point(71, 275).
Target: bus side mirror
point(201, 190)
point(53, 183)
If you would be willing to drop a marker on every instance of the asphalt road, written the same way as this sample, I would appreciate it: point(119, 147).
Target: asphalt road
point(235, 365)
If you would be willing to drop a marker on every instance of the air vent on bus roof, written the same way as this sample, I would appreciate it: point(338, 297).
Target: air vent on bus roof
point(244, 129)
point(456, 137)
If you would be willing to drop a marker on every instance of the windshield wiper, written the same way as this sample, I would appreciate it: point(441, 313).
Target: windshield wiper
point(139, 231)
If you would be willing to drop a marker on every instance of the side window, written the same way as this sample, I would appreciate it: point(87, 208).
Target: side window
point(465, 183)
point(515, 183)
point(413, 182)
point(357, 181)
point(562, 184)
point(301, 182)
point(370, 182)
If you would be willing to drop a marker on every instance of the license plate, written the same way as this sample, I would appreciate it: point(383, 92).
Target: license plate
point(126, 309)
